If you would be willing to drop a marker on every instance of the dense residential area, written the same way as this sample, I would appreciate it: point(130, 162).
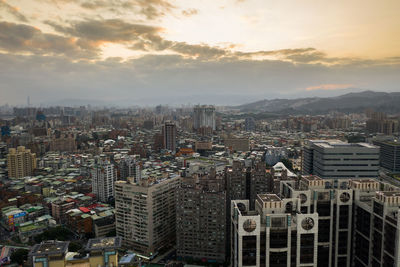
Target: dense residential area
point(202, 185)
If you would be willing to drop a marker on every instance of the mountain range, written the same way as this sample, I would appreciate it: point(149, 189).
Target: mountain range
point(351, 102)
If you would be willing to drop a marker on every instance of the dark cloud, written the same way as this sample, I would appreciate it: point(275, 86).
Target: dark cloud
point(150, 9)
point(13, 10)
point(190, 12)
point(112, 30)
point(27, 39)
point(176, 79)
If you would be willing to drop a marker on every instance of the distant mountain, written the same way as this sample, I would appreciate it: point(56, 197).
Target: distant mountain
point(351, 102)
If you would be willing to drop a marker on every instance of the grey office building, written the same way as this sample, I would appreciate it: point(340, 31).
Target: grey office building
point(389, 155)
point(337, 159)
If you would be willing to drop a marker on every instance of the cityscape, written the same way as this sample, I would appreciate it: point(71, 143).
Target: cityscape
point(172, 133)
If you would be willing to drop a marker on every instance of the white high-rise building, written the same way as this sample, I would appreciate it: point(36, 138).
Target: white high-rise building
point(103, 179)
point(204, 117)
point(146, 213)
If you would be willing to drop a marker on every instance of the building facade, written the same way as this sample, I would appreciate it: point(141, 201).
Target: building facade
point(204, 117)
point(336, 159)
point(200, 219)
point(169, 136)
point(146, 214)
point(389, 155)
point(20, 162)
point(103, 179)
point(319, 222)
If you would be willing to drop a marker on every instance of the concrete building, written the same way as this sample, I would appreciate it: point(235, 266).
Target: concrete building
point(169, 136)
point(20, 162)
point(249, 124)
point(336, 159)
point(98, 252)
point(49, 254)
point(200, 218)
point(146, 214)
point(237, 144)
point(389, 155)
point(103, 179)
point(204, 117)
point(319, 222)
point(129, 167)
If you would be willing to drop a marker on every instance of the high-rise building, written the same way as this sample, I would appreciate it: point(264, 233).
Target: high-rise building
point(204, 117)
point(146, 214)
point(319, 222)
point(236, 181)
point(103, 179)
point(336, 159)
point(20, 162)
point(200, 218)
point(249, 124)
point(129, 167)
point(389, 155)
point(169, 136)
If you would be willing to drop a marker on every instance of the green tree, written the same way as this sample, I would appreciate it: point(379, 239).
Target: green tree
point(74, 246)
point(287, 163)
point(19, 256)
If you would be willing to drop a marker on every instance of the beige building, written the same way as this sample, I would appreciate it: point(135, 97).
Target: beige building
point(98, 252)
point(20, 162)
point(145, 214)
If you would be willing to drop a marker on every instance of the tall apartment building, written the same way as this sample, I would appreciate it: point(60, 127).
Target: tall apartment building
point(319, 222)
point(336, 159)
point(261, 181)
point(204, 117)
point(249, 124)
point(169, 136)
point(20, 162)
point(236, 181)
point(146, 214)
point(129, 167)
point(246, 183)
point(200, 218)
point(389, 155)
point(103, 179)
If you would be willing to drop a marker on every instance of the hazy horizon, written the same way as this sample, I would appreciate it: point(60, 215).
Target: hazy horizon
point(134, 52)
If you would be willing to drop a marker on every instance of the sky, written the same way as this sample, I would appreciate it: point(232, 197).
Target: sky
point(147, 52)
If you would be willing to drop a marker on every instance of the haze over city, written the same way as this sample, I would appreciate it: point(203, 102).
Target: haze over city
point(147, 52)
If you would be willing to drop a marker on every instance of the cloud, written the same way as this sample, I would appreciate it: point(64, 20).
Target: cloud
point(190, 12)
point(150, 9)
point(154, 79)
point(329, 87)
point(111, 30)
point(27, 39)
point(13, 10)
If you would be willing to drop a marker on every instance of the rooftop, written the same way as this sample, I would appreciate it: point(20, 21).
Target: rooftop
point(269, 197)
point(49, 248)
point(104, 243)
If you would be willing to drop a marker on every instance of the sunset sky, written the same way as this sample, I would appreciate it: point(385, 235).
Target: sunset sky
point(145, 52)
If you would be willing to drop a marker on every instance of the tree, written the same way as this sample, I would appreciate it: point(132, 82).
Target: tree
point(112, 233)
point(287, 163)
point(57, 233)
point(74, 246)
point(19, 256)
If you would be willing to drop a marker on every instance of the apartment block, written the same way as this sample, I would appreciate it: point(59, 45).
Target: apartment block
point(146, 213)
point(20, 162)
point(103, 179)
point(200, 218)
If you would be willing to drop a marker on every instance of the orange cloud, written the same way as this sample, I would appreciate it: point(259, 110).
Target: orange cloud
point(329, 87)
